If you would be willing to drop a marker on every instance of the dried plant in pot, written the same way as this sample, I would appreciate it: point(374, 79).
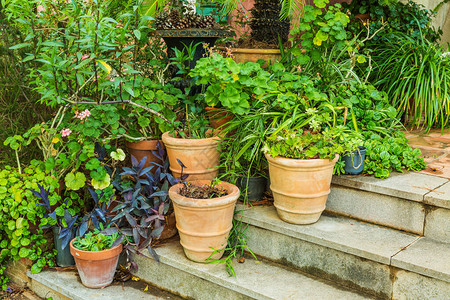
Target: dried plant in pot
point(204, 212)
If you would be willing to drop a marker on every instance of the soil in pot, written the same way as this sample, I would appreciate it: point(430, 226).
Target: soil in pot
point(144, 149)
point(96, 268)
point(354, 162)
point(63, 258)
point(300, 187)
point(204, 224)
point(254, 187)
point(200, 156)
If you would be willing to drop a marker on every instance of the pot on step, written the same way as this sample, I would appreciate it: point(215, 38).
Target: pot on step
point(200, 156)
point(143, 149)
point(63, 258)
point(253, 187)
point(204, 224)
point(96, 268)
point(354, 162)
point(300, 187)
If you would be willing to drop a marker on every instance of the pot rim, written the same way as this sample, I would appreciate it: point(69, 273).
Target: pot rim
point(169, 140)
point(252, 50)
point(301, 162)
point(144, 144)
point(232, 189)
point(95, 255)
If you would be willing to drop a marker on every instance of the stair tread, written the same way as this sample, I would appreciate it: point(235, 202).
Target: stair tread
point(68, 284)
point(388, 246)
point(410, 186)
point(258, 279)
point(426, 257)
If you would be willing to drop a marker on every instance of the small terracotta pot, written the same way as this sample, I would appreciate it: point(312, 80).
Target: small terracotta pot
point(144, 148)
point(200, 156)
point(218, 117)
point(300, 187)
point(170, 229)
point(204, 224)
point(242, 55)
point(96, 268)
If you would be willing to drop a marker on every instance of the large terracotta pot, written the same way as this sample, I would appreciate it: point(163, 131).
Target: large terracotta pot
point(218, 117)
point(242, 55)
point(204, 224)
point(300, 187)
point(144, 148)
point(96, 268)
point(200, 156)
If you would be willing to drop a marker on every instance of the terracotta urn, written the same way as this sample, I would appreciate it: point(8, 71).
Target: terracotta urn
point(204, 224)
point(300, 187)
point(218, 117)
point(144, 148)
point(242, 55)
point(96, 268)
point(200, 156)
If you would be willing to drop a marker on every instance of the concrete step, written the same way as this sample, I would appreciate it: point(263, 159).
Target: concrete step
point(413, 202)
point(66, 285)
point(254, 279)
point(380, 261)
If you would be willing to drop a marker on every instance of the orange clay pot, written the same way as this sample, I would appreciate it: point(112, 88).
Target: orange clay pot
point(96, 268)
point(204, 224)
point(218, 117)
point(144, 148)
point(200, 156)
point(300, 187)
point(242, 55)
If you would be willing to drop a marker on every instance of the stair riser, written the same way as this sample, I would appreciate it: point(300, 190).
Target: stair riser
point(346, 269)
point(393, 212)
point(46, 292)
point(408, 285)
point(181, 283)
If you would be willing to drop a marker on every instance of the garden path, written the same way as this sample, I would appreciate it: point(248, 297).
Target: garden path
point(435, 149)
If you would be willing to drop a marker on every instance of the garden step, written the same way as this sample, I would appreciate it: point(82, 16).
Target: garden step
point(254, 279)
point(376, 260)
point(413, 202)
point(64, 285)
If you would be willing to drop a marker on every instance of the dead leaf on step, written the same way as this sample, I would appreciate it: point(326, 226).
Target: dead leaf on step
point(134, 278)
point(241, 260)
point(146, 288)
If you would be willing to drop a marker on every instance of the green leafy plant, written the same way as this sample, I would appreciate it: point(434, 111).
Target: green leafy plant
point(96, 241)
point(415, 74)
point(21, 216)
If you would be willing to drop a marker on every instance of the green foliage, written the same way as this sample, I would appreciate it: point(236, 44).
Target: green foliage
point(393, 16)
point(306, 145)
point(391, 153)
point(95, 241)
point(20, 218)
point(415, 73)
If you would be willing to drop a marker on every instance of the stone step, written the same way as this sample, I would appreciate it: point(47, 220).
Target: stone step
point(257, 279)
point(64, 285)
point(380, 261)
point(413, 202)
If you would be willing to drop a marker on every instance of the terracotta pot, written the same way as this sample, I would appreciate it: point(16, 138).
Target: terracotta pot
point(170, 229)
point(204, 224)
point(144, 148)
point(300, 187)
point(242, 55)
point(218, 117)
point(96, 268)
point(200, 156)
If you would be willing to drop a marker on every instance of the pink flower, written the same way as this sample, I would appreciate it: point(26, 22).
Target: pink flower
point(112, 79)
point(66, 132)
point(84, 114)
point(87, 112)
point(85, 56)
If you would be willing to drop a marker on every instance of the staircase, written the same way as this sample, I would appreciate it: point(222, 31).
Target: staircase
point(383, 239)
point(378, 239)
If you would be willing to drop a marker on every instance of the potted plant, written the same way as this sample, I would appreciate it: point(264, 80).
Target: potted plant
point(96, 256)
point(301, 166)
point(204, 212)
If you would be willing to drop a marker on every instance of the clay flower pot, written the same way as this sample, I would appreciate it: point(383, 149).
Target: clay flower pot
point(300, 187)
point(204, 224)
point(144, 148)
point(96, 268)
point(242, 55)
point(200, 156)
point(218, 117)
